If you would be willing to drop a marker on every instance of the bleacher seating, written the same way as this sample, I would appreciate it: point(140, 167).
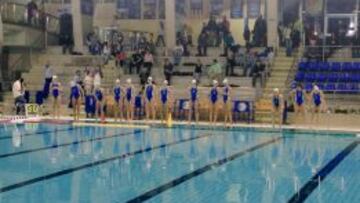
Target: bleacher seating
point(340, 77)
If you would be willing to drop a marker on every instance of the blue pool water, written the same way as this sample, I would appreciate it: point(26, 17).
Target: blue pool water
point(64, 163)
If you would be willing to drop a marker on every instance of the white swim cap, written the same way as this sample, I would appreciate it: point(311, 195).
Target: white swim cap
point(276, 90)
point(193, 81)
point(150, 78)
point(128, 80)
point(166, 82)
point(316, 88)
point(72, 83)
point(117, 81)
point(215, 82)
point(225, 81)
point(54, 77)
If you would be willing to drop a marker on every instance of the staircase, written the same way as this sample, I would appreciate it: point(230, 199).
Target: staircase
point(281, 69)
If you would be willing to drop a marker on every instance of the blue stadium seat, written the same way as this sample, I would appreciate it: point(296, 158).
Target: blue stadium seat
point(344, 77)
point(308, 87)
point(356, 66)
point(313, 67)
point(310, 77)
point(335, 67)
point(321, 85)
point(333, 77)
point(330, 87)
point(324, 66)
point(300, 77)
point(321, 77)
point(303, 66)
point(342, 87)
point(347, 67)
point(354, 87)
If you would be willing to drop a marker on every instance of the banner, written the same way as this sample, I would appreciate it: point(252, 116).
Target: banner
point(87, 7)
point(253, 8)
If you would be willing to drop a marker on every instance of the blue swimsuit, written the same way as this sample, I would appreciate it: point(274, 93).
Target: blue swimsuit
point(317, 99)
point(55, 90)
point(99, 95)
point(75, 92)
point(276, 101)
point(117, 94)
point(193, 94)
point(129, 94)
point(214, 95)
point(164, 95)
point(149, 92)
point(226, 94)
point(299, 98)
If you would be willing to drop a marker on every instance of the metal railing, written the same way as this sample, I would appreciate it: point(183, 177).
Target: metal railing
point(15, 13)
point(332, 53)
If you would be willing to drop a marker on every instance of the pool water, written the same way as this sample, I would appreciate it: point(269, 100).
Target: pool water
point(65, 163)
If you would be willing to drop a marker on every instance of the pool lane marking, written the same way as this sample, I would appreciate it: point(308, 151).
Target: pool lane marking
point(66, 144)
point(92, 164)
point(314, 182)
point(39, 133)
point(175, 182)
point(113, 125)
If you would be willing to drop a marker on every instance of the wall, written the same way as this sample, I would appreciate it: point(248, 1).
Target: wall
point(105, 17)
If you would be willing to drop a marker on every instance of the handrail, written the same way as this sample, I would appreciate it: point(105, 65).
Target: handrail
point(16, 13)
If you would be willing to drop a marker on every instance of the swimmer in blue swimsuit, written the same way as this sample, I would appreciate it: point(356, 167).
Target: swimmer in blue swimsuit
point(129, 100)
point(227, 102)
point(55, 89)
point(194, 101)
point(213, 111)
point(150, 109)
point(165, 101)
point(298, 95)
point(76, 93)
point(118, 113)
point(318, 103)
point(277, 107)
point(100, 102)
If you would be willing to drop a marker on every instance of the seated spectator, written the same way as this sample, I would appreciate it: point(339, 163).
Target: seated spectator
point(215, 71)
point(228, 42)
point(198, 71)
point(168, 70)
point(256, 72)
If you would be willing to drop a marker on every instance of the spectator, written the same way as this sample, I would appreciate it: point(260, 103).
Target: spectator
point(178, 53)
point(257, 72)
point(168, 70)
point(120, 58)
point(215, 71)
point(143, 75)
point(249, 63)
point(260, 31)
point(97, 78)
point(161, 35)
point(32, 12)
point(228, 42)
point(202, 44)
point(48, 79)
point(88, 82)
point(148, 61)
point(225, 24)
point(288, 42)
point(18, 93)
point(230, 64)
point(136, 62)
point(106, 52)
point(198, 71)
point(247, 35)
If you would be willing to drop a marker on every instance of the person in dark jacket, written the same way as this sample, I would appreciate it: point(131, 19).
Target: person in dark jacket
point(168, 70)
point(202, 44)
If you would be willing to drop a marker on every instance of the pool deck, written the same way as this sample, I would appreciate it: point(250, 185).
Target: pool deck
point(322, 126)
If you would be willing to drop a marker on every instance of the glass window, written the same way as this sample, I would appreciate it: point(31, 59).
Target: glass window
point(253, 8)
point(236, 9)
point(180, 7)
point(216, 7)
point(149, 9)
point(196, 7)
point(162, 9)
point(337, 6)
point(129, 9)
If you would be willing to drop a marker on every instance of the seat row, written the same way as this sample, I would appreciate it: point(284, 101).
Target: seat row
point(346, 88)
point(327, 77)
point(329, 66)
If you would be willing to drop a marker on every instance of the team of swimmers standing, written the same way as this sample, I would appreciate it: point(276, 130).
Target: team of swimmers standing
point(127, 102)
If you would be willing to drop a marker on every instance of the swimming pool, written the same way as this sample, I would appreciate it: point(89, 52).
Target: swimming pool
point(65, 163)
